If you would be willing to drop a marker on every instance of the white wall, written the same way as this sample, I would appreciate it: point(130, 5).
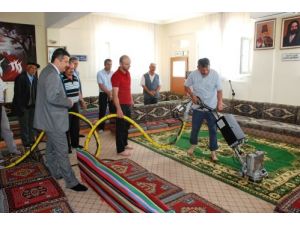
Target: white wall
point(78, 40)
point(38, 20)
point(274, 80)
point(271, 80)
point(76, 37)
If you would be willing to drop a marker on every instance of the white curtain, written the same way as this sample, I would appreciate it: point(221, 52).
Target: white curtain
point(219, 39)
point(114, 37)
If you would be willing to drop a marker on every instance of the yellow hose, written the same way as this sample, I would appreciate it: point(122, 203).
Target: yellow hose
point(94, 132)
point(38, 140)
point(28, 152)
point(87, 140)
point(181, 132)
point(98, 151)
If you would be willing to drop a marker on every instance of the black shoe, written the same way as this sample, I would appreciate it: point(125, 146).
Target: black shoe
point(81, 135)
point(78, 146)
point(79, 187)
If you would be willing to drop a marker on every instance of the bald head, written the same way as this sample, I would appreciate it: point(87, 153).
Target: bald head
point(125, 62)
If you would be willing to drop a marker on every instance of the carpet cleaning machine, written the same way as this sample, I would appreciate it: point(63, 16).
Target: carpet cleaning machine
point(251, 164)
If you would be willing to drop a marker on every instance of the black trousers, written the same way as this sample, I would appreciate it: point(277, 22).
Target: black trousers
point(103, 101)
point(26, 124)
point(150, 100)
point(73, 133)
point(122, 127)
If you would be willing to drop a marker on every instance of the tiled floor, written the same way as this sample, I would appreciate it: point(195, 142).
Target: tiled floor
point(190, 180)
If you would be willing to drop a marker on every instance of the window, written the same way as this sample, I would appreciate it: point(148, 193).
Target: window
point(245, 56)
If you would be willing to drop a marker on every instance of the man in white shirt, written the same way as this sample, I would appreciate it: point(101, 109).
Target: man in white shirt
point(105, 91)
point(6, 132)
point(205, 84)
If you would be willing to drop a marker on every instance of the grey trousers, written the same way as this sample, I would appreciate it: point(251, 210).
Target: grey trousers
point(26, 123)
point(57, 158)
point(6, 133)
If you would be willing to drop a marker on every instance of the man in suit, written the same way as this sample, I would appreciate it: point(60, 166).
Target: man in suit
point(51, 115)
point(24, 102)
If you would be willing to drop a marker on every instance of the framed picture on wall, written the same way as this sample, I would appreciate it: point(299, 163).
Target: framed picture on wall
point(17, 47)
point(264, 34)
point(290, 32)
point(51, 49)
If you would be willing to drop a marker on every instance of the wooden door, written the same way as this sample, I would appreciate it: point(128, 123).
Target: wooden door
point(179, 67)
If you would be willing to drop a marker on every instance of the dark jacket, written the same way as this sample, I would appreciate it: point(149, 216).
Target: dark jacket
point(21, 99)
point(295, 41)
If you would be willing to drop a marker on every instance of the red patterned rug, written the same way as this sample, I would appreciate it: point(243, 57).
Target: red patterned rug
point(54, 206)
point(192, 203)
point(22, 196)
point(125, 167)
point(23, 173)
point(154, 185)
point(290, 204)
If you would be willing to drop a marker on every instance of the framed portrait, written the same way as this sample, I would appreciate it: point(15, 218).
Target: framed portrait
point(290, 32)
point(17, 47)
point(264, 34)
point(51, 49)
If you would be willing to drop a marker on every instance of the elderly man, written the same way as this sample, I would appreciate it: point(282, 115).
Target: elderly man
point(24, 102)
point(151, 85)
point(206, 85)
point(51, 115)
point(75, 62)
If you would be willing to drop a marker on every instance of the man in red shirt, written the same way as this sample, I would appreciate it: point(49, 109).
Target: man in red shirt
point(121, 87)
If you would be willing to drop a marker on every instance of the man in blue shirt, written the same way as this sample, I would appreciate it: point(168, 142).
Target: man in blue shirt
point(24, 102)
point(105, 91)
point(205, 84)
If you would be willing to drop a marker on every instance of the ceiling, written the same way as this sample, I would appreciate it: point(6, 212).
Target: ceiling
point(158, 17)
point(60, 19)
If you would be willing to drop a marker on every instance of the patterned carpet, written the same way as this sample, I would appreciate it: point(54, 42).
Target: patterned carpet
point(54, 206)
point(128, 187)
point(282, 162)
point(22, 196)
point(22, 173)
point(28, 187)
point(157, 187)
point(290, 204)
point(192, 203)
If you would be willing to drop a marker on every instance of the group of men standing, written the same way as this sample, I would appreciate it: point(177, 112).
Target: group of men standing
point(115, 92)
point(203, 83)
point(44, 104)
